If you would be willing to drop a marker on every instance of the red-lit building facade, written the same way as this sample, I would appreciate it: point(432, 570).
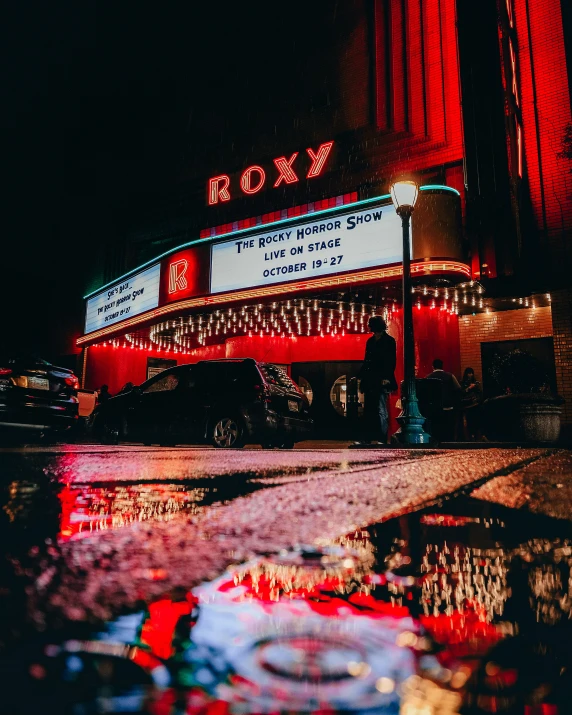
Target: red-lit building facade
point(283, 256)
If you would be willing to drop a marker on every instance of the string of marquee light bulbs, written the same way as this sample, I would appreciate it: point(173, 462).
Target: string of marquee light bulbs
point(452, 298)
point(291, 318)
point(301, 317)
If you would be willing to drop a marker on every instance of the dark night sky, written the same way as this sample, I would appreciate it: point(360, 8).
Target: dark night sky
point(104, 102)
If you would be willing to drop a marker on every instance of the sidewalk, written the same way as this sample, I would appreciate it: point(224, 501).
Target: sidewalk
point(542, 487)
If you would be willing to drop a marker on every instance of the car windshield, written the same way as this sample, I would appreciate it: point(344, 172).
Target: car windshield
point(276, 376)
point(227, 372)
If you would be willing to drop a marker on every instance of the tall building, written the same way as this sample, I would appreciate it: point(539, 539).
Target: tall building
point(280, 240)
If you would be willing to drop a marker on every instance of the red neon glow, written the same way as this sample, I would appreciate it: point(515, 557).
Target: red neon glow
point(544, 84)
point(183, 274)
point(510, 12)
point(159, 629)
point(287, 173)
point(513, 67)
point(177, 273)
point(519, 147)
point(302, 210)
point(218, 186)
point(372, 275)
point(318, 159)
point(217, 192)
point(246, 180)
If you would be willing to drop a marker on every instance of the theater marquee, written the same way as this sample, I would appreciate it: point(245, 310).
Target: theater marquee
point(338, 245)
point(127, 298)
point(345, 243)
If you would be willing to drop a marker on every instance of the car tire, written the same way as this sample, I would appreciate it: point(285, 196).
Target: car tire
point(226, 432)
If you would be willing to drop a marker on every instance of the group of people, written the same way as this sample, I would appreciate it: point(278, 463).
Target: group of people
point(451, 408)
point(458, 406)
point(103, 394)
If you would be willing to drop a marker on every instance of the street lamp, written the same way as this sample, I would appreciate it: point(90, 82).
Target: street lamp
point(404, 196)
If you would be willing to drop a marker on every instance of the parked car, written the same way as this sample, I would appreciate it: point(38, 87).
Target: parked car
point(223, 402)
point(36, 396)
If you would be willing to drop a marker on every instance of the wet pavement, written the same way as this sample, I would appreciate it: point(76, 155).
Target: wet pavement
point(190, 580)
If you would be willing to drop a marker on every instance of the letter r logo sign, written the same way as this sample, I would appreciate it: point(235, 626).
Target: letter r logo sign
point(177, 273)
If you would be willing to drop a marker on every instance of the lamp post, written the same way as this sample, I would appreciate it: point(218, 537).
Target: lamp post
point(404, 196)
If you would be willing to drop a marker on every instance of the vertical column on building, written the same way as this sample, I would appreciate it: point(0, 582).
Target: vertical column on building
point(83, 367)
point(546, 109)
point(562, 331)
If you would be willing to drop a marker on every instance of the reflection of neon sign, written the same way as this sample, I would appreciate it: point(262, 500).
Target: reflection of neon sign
point(177, 272)
point(253, 177)
point(508, 35)
point(519, 147)
point(510, 12)
point(89, 510)
point(514, 75)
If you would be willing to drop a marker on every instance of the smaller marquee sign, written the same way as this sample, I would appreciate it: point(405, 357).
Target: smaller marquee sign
point(130, 297)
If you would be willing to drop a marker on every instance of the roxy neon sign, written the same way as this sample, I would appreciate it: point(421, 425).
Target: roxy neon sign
point(253, 178)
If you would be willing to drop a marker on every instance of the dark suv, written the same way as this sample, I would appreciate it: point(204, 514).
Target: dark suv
point(223, 402)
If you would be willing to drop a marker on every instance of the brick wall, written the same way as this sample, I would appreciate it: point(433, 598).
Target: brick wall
point(545, 113)
point(562, 327)
point(504, 325)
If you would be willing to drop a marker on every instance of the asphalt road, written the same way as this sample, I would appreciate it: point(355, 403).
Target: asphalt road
point(128, 522)
point(93, 536)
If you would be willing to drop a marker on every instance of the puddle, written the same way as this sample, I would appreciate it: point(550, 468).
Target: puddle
point(45, 509)
point(462, 608)
point(89, 509)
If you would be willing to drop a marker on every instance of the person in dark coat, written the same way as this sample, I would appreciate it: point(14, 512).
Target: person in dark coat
point(472, 396)
point(104, 394)
point(377, 376)
point(445, 423)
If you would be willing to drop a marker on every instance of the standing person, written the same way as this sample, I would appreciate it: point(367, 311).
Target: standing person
point(377, 376)
point(444, 424)
point(104, 394)
point(471, 398)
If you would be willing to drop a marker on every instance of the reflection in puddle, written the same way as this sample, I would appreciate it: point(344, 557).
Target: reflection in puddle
point(88, 509)
point(297, 633)
point(464, 609)
point(306, 573)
